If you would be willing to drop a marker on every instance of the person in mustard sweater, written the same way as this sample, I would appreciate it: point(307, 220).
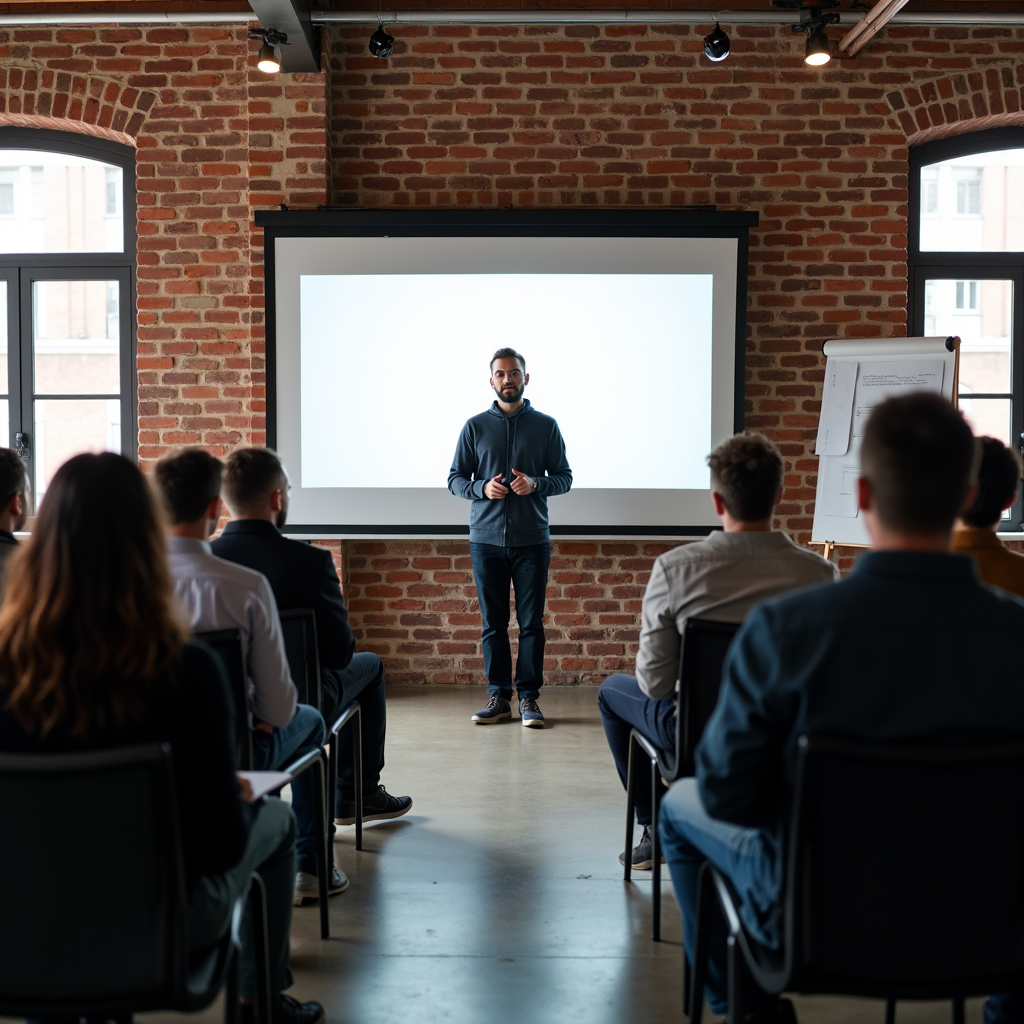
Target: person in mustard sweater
point(999, 478)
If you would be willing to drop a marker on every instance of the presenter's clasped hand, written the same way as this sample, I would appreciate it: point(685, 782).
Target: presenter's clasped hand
point(523, 484)
point(495, 489)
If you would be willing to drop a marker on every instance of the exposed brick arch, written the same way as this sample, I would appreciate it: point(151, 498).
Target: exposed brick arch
point(49, 99)
point(960, 103)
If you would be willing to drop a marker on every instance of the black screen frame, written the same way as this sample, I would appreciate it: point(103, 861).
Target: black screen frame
point(366, 223)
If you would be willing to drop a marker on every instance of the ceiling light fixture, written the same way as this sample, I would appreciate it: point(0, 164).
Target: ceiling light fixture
point(268, 60)
point(815, 17)
point(716, 44)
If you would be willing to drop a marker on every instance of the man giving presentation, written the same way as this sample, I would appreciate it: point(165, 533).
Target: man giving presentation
point(509, 461)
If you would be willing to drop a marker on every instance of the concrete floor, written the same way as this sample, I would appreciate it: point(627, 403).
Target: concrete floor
point(499, 899)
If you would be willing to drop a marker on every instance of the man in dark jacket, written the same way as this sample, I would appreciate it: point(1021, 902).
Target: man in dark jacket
point(871, 657)
point(509, 461)
point(303, 576)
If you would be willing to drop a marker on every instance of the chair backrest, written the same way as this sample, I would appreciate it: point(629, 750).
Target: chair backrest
point(701, 657)
point(229, 646)
point(104, 928)
point(905, 868)
point(300, 644)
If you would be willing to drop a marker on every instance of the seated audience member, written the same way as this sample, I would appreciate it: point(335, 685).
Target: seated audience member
point(14, 500)
point(303, 576)
point(720, 578)
point(94, 654)
point(975, 534)
point(220, 595)
point(871, 657)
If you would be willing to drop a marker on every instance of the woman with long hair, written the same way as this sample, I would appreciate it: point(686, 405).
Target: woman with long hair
point(94, 654)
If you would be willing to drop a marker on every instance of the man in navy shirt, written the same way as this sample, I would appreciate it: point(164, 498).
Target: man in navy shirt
point(509, 460)
point(871, 657)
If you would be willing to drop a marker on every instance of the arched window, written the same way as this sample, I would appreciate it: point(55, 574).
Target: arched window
point(966, 264)
point(67, 297)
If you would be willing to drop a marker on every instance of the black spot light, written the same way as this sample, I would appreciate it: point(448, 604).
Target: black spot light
point(716, 44)
point(381, 44)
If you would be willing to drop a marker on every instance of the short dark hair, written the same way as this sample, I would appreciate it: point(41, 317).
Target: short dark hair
point(747, 472)
point(507, 353)
point(998, 479)
point(187, 481)
point(251, 476)
point(13, 476)
point(917, 454)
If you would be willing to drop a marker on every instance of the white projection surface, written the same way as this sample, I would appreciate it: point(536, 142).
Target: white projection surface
point(382, 355)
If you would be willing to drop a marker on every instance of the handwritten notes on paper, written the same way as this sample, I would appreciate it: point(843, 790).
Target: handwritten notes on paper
point(850, 395)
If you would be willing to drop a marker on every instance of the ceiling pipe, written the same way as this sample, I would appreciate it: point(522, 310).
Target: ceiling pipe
point(513, 17)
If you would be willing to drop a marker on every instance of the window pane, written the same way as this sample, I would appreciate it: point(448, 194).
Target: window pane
point(974, 203)
point(3, 351)
point(980, 312)
point(66, 427)
point(54, 202)
point(988, 417)
point(75, 334)
point(5, 424)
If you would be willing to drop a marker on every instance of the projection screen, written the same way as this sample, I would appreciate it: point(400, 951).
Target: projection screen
point(381, 325)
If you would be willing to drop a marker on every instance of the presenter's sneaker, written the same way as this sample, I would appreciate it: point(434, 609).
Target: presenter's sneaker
point(642, 853)
point(775, 1011)
point(285, 1010)
point(307, 888)
point(529, 712)
point(379, 805)
point(497, 709)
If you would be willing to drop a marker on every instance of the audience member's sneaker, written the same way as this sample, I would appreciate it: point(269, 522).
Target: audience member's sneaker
point(285, 1010)
point(778, 1011)
point(307, 886)
point(377, 806)
point(641, 853)
point(497, 708)
point(529, 712)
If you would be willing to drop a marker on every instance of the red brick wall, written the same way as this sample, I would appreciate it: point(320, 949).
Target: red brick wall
point(492, 116)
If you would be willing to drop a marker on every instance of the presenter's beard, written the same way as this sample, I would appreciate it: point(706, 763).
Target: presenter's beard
point(282, 518)
point(511, 396)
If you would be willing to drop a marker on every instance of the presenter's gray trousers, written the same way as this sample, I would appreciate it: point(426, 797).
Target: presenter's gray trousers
point(271, 852)
point(525, 570)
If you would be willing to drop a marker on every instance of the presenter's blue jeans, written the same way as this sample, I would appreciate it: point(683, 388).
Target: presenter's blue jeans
point(273, 751)
point(525, 570)
point(624, 707)
point(751, 858)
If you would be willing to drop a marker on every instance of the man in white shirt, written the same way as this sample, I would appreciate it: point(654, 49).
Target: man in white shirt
point(218, 594)
point(720, 578)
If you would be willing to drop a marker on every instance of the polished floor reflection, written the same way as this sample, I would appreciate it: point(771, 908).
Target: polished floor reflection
point(499, 899)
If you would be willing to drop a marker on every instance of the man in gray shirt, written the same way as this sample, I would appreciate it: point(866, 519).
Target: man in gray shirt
point(217, 594)
point(720, 578)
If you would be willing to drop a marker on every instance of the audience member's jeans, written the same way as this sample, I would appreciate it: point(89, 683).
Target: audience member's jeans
point(362, 680)
point(1004, 1008)
point(275, 750)
point(750, 858)
point(526, 569)
point(270, 851)
point(624, 706)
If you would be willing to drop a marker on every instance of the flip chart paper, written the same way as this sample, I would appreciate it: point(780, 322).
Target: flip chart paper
point(836, 408)
point(877, 381)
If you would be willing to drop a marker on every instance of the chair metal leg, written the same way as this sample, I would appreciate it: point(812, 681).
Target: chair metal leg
point(736, 981)
point(890, 1011)
point(630, 808)
point(232, 1014)
point(958, 1011)
point(324, 860)
point(655, 855)
point(687, 981)
point(332, 777)
point(702, 944)
point(258, 914)
point(357, 771)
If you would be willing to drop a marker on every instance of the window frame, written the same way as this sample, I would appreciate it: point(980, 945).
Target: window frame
point(20, 270)
point(973, 265)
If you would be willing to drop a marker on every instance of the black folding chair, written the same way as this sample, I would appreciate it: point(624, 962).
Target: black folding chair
point(701, 656)
point(904, 878)
point(300, 641)
point(116, 942)
point(227, 644)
